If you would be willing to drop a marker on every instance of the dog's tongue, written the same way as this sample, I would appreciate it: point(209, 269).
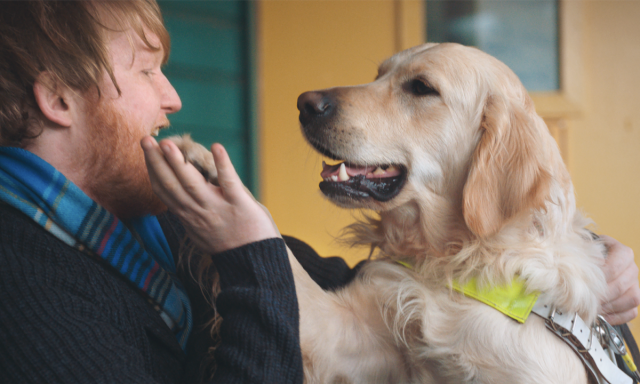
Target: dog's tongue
point(328, 170)
point(369, 171)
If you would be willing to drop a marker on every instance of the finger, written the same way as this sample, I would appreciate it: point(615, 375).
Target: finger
point(626, 282)
point(621, 318)
point(191, 180)
point(232, 187)
point(629, 300)
point(164, 182)
point(619, 258)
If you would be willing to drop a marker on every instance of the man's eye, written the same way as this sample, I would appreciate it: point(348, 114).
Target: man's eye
point(147, 72)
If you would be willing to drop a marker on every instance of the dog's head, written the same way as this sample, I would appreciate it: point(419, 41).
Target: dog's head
point(444, 126)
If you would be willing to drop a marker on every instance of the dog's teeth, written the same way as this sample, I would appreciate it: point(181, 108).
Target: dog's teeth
point(334, 177)
point(379, 171)
point(342, 175)
point(391, 169)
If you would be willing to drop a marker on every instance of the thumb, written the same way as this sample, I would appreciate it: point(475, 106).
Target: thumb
point(228, 179)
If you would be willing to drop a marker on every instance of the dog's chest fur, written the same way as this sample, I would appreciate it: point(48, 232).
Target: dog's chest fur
point(444, 337)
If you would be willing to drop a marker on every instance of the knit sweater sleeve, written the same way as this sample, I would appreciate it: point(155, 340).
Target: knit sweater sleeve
point(259, 333)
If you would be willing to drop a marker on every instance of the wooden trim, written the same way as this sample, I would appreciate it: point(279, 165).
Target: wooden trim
point(555, 105)
point(253, 101)
point(566, 103)
point(560, 109)
point(559, 129)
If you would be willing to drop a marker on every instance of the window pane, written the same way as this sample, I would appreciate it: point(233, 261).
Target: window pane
point(521, 33)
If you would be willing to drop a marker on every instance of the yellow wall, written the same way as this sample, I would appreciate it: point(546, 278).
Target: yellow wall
point(310, 44)
point(307, 45)
point(605, 140)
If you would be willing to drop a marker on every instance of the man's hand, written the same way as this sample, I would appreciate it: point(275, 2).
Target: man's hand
point(621, 272)
point(215, 218)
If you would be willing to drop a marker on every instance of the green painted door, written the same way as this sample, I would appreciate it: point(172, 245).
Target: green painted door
point(211, 67)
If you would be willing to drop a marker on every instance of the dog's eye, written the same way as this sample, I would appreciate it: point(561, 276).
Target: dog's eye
point(420, 88)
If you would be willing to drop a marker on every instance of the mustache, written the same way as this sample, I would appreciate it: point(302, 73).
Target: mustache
point(165, 123)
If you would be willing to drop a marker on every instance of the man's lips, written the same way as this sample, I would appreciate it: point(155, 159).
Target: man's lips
point(162, 124)
point(156, 130)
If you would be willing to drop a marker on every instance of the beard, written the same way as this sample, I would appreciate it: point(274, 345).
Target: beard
point(115, 165)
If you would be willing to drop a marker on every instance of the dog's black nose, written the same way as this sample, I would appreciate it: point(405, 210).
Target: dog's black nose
point(314, 104)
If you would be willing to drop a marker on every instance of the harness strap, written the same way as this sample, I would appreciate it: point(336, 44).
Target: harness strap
point(584, 341)
point(632, 348)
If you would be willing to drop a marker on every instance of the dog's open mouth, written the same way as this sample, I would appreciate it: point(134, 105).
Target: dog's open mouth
point(380, 182)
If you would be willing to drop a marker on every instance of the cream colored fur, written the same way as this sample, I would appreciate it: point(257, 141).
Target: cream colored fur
point(487, 195)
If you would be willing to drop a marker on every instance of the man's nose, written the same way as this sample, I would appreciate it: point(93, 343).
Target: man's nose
point(171, 102)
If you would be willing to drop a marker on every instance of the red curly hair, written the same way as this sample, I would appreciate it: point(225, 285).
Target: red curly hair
point(68, 40)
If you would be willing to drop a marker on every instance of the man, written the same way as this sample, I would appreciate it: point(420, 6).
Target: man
point(89, 290)
point(88, 281)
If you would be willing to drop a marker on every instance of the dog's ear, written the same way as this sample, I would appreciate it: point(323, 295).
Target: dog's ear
point(507, 174)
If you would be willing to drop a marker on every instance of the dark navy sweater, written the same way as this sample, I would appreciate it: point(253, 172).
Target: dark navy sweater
point(67, 318)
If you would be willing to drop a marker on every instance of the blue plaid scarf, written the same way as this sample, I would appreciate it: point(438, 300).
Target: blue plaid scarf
point(138, 251)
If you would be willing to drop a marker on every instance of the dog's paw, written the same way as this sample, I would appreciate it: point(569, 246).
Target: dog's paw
point(198, 155)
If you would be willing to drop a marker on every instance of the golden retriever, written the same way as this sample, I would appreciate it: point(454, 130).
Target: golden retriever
point(445, 145)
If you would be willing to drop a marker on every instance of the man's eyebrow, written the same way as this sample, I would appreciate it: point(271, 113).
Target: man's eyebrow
point(147, 54)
